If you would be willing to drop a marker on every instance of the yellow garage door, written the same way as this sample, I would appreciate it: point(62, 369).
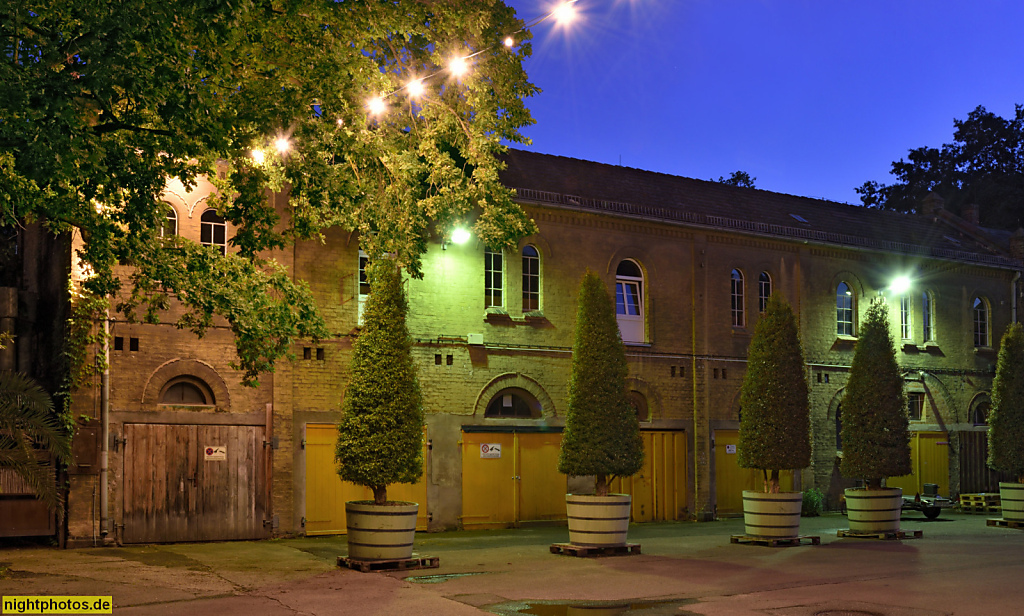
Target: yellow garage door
point(326, 493)
point(731, 480)
point(511, 477)
point(929, 457)
point(659, 489)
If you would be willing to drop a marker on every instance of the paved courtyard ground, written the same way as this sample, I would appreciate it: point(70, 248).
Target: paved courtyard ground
point(960, 566)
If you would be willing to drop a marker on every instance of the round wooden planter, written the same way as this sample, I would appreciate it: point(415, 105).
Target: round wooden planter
point(772, 515)
point(874, 511)
point(380, 532)
point(597, 520)
point(1011, 496)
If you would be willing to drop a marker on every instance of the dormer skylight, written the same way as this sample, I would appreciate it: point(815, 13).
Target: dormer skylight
point(799, 218)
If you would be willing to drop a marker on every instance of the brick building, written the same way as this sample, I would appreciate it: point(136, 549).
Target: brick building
point(197, 456)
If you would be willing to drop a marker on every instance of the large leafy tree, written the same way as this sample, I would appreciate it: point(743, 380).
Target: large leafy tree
point(381, 431)
point(775, 427)
point(602, 431)
point(28, 428)
point(103, 101)
point(984, 165)
point(1006, 420)
point(875, 435)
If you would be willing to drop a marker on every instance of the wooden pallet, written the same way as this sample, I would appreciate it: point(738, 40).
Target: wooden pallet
point(775, 542)
point(397, 564)
point(584, 551)
point(1004, 523)
point(892, 535)
point(980, 509)
point(987, 499)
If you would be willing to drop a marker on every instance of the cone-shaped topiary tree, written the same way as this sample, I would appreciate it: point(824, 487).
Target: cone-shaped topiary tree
point(380, 436)
point(1006, 420)
point(876, 441)
point(775, 424)
point(602, 432)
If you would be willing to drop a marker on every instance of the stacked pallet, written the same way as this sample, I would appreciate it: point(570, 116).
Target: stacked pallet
point(980, 503)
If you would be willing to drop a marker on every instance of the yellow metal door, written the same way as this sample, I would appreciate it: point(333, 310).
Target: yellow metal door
point(488, 480)
point(541, 487)
point(326, 493)
point(731, 480)
point(659, 489)
point(929, 458)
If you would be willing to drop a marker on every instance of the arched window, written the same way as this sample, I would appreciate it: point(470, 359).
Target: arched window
point(980, 410)
point(169, 225)
point(764, 291)
point(981, 322)
point(629, 306)
point(906, 318)
point(213, 231)
point(736, 286)
point(639, 404)
point(513, 403)
point(845, 302)
point(531, 279)
point(187, 391)
point(493, 278)
point(928, 316)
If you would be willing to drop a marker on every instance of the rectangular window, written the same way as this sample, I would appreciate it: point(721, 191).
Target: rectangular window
point(627, 298)
point(915, 405)
point(493, 279)
point(906, 326)
point(531, 280)
point(928, 317)
point(844, 315)
point(364, 287)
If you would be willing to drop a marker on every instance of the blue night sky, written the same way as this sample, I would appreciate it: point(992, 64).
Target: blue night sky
point(811, 97)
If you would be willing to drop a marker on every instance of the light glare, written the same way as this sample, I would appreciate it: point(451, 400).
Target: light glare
point(460, 236)
point(509, 41)
point(458, 66)
point(565, 13)
point(376, 105)
point(415, 88)
point(282, 145)
point(900, 285)
point(257, 155)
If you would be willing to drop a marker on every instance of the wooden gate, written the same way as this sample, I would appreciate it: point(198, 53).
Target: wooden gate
point(326, 493)
point(929, 457)
point(731, 480)
point(519, 484)
point(194, 483)
point(659, 489)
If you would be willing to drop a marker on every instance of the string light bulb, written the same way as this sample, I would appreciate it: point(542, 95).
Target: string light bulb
point(258, 156)
point(282, 145)
point(458, 66)
point(509, 41)
point(376, 105)
point(565, 13)
point(415, 88)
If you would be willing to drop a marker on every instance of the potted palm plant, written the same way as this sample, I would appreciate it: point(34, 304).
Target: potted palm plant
point(381, 431)
point(775, 422)
point(875, 435)
point(1006, 422)
point(602, 431)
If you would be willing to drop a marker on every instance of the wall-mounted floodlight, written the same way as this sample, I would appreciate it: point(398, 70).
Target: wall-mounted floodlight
point(900, 285)
point(460, 236)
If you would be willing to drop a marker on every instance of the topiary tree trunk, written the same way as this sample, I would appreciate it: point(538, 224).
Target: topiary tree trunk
point(876, 439)
point(380, 437)
point(1006, 420)
point(602, 431)
point(775, 424)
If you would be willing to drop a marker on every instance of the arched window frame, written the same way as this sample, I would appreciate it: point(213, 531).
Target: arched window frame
point(846, 309)
point(169, 225)
point(739, 315)
point(203, 388)
point(520, 403)
point(629, 300)
point(531, 278)
point(213, 231)
point(982, 315)
point(764, 291)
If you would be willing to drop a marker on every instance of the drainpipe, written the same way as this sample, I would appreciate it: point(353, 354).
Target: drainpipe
point(104, 429)
point(1013, 296)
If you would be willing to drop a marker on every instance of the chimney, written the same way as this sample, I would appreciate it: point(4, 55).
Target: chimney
point(971, 213)
point(1017, 244)
point(930, 204)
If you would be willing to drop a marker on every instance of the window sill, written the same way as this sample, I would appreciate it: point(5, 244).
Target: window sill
point(637, 344)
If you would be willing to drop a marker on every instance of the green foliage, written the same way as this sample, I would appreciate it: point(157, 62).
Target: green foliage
point(28, 426)
point(381, 433)
point(876, 441)
point(984, 165)
point(775, 424)
point(738, 178)
point(814, 503)
point(1006, 419)
point(602, 432)
point(103, 101)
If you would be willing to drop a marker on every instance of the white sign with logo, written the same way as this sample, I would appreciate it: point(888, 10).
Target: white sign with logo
point(490, 450)
point(215, 453)
point(730, 449)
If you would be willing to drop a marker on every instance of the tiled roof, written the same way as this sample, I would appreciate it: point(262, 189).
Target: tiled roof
point(578, 184)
